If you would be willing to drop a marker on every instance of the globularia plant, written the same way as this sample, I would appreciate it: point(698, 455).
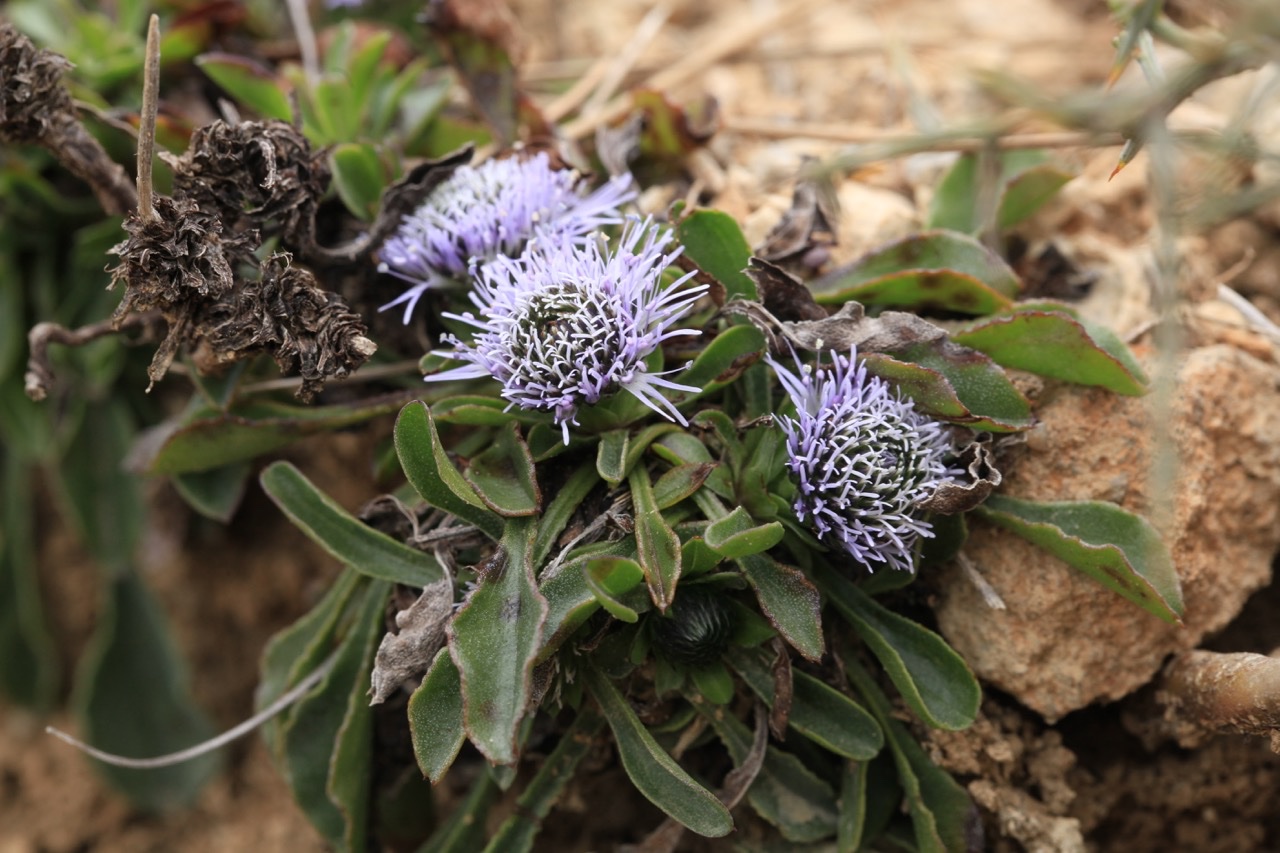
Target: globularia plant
point(648, 479)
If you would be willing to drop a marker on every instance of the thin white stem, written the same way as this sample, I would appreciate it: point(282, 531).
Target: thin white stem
point(147, 119)
point(306, 37)
point(208, 746)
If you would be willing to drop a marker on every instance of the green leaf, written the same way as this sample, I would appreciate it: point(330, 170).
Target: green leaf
point(321, 738)
point(296, 651)
point(936, 269)
point(737, 535)
point(941, 811)
point(504, 477)
point(852, 823)
point(1025, 182)
point(494, 639)
point(359, 175)
point(354, 543)
point(819, 712)
point(517, 833)
point(488, 74)
point(350, 776)
point(435, 717)
point(249, 82)
point(472, 410)
point(957, 385)
point(428, 468)
point(105, 501)
point(570, 600)
point(713, 241)
point(789, 601)
point(606, 574)
point(1052, 343)
point(1029, 191)
point(611, 456)
point(131, 697)
point(657, 544)
point(1118, 549)
point(568, 498)
point(215, 493)
point(680, 482)
point(28, 654)
point(933, 679)
point(785, 793)
point(714, 683)
point(206, 437)
point(720, 362)
point(464, 831)
point(655, 774)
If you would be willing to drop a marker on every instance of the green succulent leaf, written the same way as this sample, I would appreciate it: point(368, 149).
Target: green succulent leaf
point(1053, 343)
point(331, 527)
point(1118, 549)
point(789, 601)
point(494, 639)
point(655, 774)
point(713, 240)
point(131, 697)
point(426, 464)
point(819, 712)
point(435, 717)
point(1028, 191)
point(933, 679)
point(504, 477)
point(249, 82)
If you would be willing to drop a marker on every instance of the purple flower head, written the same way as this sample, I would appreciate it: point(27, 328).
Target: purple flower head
point(568, 323)
point(494, 210)
point(862, 458)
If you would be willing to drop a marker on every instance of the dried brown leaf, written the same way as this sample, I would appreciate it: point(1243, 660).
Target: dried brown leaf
point(981, 477)
point(406, 653)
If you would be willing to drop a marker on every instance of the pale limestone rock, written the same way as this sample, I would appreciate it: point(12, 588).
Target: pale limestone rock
point(1064, 641)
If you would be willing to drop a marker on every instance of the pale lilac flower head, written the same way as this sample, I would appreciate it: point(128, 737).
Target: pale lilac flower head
point(567, 324)
point(493, 210)
point(862, 458)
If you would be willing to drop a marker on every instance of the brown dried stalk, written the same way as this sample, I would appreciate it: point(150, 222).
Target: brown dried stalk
point(1206, 693)
point(35, 108)
point(39, 374)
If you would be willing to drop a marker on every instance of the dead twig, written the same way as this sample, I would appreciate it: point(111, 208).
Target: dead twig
point(1206, 693)
point(39, 374)
point(147, 120)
